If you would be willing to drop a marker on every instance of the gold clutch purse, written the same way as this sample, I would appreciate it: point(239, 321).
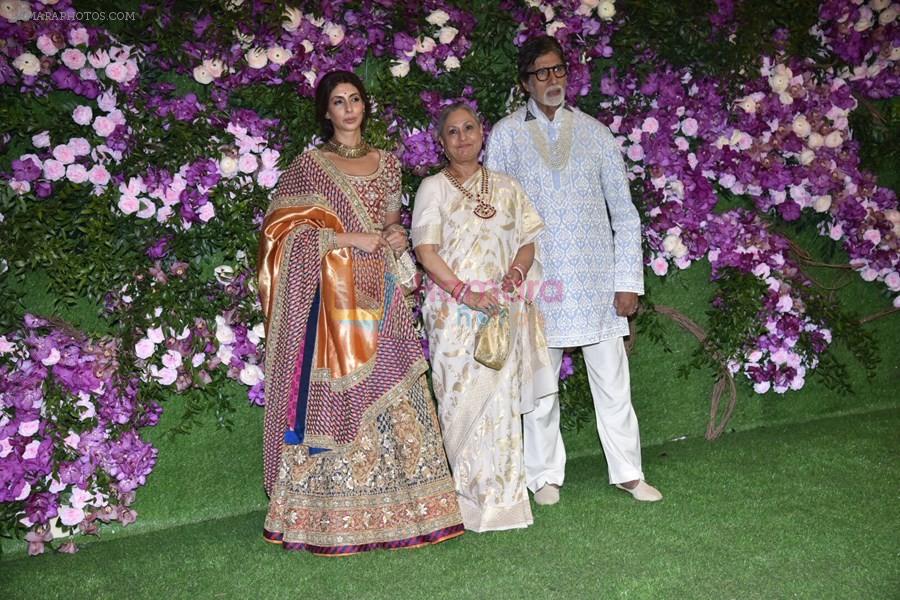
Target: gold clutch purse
point(492, 340)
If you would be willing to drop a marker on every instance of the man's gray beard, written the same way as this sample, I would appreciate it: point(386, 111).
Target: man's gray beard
point(562, 96)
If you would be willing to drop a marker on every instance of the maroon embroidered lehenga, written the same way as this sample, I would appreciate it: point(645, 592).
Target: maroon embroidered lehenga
point(353, 457)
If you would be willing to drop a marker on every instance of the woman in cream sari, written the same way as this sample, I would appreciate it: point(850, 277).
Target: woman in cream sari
point(474, 232)
point(353, 458)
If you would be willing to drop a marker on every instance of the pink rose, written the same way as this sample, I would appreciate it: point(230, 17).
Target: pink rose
point(660, 266)
point(247, 163)
point(71, 516)
point(131, 70)
point(268, 178)
point(155, 335)
point(20, 187)
point(166, 376)
point(98, 59)
point(116, 116)
point(117, 72)
point(106, 101)
point(872, 235)
point(98, 175)
point(64, 154)
point(76, 173)
point(650, 125)
point(28, 428)
point(80, 146)
point(79, 36)
point(41, 140)
point(206, 212)
point(82, 114)
point(45, 44)
point(893, 281)
point(148, 209)
point(104, 126)
point(73, 58)
point(690, 126)
point(128, 204)
point(144, 348)
point(54, 170)
point(88, 74)
point(635, 152)
point(31, 450)
point(172, 359)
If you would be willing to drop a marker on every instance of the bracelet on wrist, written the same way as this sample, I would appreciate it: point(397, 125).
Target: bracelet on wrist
point(520, 271)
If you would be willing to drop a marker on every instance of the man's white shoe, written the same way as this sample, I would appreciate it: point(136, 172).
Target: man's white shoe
point(548, 494)
point(643, 491)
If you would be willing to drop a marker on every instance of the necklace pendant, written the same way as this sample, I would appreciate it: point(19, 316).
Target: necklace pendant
point(485, 211)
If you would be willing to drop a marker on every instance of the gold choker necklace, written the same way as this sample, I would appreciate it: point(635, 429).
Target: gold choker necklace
point(482, 208)
point(345, 151)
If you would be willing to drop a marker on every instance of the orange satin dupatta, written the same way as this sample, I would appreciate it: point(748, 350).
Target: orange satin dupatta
point(346, 335)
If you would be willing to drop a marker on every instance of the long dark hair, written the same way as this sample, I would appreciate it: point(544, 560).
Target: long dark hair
point(323, 94)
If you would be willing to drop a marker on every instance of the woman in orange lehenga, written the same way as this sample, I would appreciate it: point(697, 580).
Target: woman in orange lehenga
point(353, 457)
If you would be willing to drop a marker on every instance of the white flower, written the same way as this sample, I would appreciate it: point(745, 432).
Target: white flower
point(670, 242)
point(244, 39)
point(815, 140)
point(866, 18)
point(424, 45)
point(438, 18)
point(334, 32)
point(747, 104)
point(400, 68)
point(224, 274)
point(801, 126)
point(451, 63)
point(228, 165)
point(822, 203)
point(292, 18)
point(553, 27)
point(307, 46)
point(144, 348)
point(28, 63)
point(15, 10)
point(834, 139)
point(888, 15)
point(606, 10)
point(807, 156)
point(251, 375)
point(214, 66)
point(256, 58)
point(548, 11)
point(279, 55)
point(447, 34)
point(202, 75)
point(780, 78)
point(879, 5)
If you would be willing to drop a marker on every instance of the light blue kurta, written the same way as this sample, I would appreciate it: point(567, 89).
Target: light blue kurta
point(591, 247)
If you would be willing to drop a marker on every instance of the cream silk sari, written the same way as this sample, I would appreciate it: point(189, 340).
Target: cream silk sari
point(480, 408)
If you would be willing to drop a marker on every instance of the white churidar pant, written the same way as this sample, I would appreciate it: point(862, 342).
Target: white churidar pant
point(617, 425)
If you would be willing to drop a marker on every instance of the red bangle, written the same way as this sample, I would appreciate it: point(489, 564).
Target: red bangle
point(519, 270)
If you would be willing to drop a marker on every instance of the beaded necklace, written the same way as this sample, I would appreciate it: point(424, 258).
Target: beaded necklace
point(482, 208)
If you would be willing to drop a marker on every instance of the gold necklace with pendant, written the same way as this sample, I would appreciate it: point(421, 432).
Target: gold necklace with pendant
point(482, 208)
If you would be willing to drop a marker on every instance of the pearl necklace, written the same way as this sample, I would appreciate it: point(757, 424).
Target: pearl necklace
point(556, 156)
point(345, 151)
point(482, 208)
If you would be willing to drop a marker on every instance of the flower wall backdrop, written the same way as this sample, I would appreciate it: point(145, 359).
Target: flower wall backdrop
point(140, 143)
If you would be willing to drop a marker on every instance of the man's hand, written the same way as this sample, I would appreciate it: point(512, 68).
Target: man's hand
point(626, 303)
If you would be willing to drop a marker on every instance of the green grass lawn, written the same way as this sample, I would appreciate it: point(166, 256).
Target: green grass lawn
point(806, 510)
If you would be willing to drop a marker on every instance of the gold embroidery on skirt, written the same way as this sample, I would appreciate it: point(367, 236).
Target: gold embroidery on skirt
point(409, 437)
